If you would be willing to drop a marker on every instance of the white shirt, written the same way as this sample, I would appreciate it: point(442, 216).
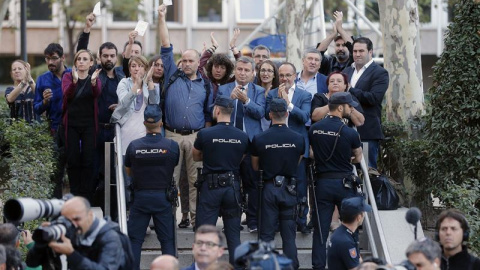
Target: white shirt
point(356, 74)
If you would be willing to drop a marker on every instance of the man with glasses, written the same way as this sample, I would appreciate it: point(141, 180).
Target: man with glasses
point(208, 247)
point(49, 98)
point(335, 146)
point(299, 102)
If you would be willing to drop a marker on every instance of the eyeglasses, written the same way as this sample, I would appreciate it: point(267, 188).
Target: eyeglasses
point(54, 58)
point(266, 71)
point(209, 244)
point(260, 56)
point(285, 75)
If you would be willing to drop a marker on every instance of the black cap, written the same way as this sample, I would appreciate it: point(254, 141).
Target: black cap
point(354, 206)
point(278, 105)
point(223, 101)
point(152, 113)
point(342, 98)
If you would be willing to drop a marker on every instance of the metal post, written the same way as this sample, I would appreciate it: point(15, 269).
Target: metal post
point(107, 177)
point(23, 29)
point(363, 17)
point(122, 208)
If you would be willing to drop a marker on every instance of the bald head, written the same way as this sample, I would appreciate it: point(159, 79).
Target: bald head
point(165, 262)
point(78, 211)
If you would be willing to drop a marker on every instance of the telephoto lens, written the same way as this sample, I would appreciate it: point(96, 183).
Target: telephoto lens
point(27, 209)
point(46, 234)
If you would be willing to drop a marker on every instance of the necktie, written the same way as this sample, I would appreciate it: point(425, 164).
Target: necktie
point(239, 114)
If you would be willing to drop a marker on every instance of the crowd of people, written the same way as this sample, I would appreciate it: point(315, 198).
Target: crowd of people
point(273, 141)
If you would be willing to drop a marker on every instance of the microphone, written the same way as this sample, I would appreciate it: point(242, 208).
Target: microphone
point(413, 216)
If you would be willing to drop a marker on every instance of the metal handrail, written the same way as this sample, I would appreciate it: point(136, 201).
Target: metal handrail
point(122, 208)
point(376, 216)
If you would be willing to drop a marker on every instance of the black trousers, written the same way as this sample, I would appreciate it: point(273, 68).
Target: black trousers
point(80, 151)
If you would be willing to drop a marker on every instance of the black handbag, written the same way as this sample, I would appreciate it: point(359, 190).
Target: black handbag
point(386, 196)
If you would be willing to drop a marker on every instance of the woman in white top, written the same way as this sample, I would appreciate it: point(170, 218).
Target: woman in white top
point(134, 93)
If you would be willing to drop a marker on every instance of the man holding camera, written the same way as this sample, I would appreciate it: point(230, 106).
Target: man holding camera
point(151, 161)
point(95, 245)
point(334, 146)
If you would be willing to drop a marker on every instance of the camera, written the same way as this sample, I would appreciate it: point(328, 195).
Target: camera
point(27, 209)
point(53, 232)
point(261, 255)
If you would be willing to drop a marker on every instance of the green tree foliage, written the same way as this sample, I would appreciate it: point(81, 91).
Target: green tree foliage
point(26, 158)
point(453, 125)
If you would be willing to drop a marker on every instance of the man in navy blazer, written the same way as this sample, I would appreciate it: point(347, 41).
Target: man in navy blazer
point(249, 109)
point(368, 83)
point(298, 102)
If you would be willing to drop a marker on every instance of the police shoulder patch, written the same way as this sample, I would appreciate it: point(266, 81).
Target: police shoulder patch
point(353, 253)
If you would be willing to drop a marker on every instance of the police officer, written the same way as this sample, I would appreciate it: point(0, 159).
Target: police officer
point(334, 146)
point(343, 252)
point(221, 148)
point(150, 161)
point(278, 151)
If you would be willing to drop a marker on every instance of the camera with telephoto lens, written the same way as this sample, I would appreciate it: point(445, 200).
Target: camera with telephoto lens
point(53, 232)
point(27, 209)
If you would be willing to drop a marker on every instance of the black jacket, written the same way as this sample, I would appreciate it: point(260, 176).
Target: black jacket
point(460, 261)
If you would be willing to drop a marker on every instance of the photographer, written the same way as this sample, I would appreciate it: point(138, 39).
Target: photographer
point(10, 239)
point(424, 254)
point(94, 245)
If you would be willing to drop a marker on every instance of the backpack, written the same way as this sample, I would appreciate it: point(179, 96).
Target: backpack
point(178, 73)
point(126, 245)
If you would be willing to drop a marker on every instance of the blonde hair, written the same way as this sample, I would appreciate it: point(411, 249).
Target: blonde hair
point(139, 59)
point(80, 52)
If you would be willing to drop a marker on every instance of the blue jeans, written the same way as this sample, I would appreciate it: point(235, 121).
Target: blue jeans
point(373, 149)
point(329, 192)
point(278, 206)
point(224, 201)
point(151, 204)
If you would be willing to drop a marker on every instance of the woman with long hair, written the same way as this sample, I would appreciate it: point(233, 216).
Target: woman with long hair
point(20, 96)
point(80, 93)
point(267, 77)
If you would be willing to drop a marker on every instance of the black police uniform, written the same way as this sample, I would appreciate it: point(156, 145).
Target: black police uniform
point(152, 160)
point(343, 252)
point(332, 167)
point(223, 147)
point(279, 150)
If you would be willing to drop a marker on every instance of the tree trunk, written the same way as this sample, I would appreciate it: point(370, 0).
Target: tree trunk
point(401, 38)
point(295, 16)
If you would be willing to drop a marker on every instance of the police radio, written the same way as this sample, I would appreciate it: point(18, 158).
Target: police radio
point(172, 193)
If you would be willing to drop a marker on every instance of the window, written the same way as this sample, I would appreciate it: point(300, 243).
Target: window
point(39, 10)
point(246, 13)
point(371, 10)
point(174, 12)
point(210, 11)
point(425, 10)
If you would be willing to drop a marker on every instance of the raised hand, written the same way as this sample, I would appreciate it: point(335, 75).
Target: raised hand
point(338, 15)
point(131, 36)
point(90, 20)
point(162, 11)
point(213, 40)
point(236, 33)
point(149, 75)
point(74, 75)
point(95, 76)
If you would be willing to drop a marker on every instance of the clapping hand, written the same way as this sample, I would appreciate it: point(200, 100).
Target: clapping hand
point(95, 76)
